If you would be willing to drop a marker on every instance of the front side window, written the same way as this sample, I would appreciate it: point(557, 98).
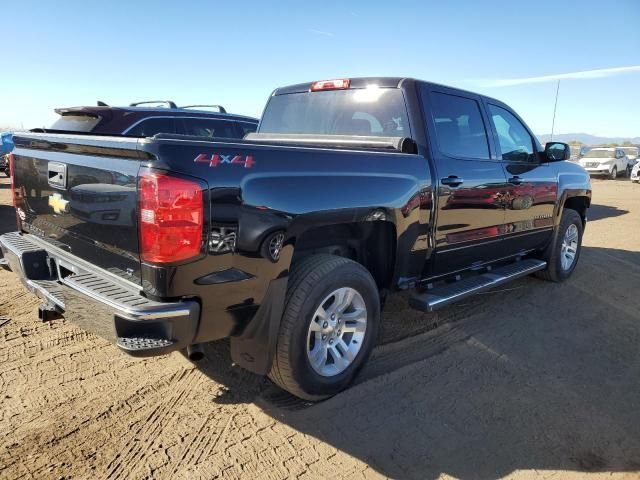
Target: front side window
point(153, 126)
point(516, 145)
point(460, 130)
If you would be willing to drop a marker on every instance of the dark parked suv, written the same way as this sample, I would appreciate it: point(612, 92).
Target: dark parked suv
point(142, 120)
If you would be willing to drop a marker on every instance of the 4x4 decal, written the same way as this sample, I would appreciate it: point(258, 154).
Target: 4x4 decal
point(215, 159)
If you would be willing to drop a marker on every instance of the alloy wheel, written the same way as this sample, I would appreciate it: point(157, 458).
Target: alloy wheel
point(569, 247)
point(336, 332)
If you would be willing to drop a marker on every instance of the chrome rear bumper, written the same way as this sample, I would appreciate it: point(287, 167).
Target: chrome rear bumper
point(100, 301)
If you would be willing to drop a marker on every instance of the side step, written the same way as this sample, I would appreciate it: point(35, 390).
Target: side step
point(144, 345)
point(446, 294)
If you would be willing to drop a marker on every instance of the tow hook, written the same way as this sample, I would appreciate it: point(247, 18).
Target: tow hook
point(47, 312)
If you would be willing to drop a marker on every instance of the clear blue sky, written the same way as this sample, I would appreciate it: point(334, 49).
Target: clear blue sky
point(68, 53)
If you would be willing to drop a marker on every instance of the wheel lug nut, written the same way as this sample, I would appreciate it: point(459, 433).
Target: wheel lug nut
point(324, 337)
point(331, 342)
point(325, 325)
point(333, 316)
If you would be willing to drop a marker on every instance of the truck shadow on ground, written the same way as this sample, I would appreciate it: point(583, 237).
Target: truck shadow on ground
point(548, 383)
point(598, 212)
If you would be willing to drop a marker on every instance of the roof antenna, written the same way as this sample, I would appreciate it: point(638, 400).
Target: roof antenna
point(555, 106)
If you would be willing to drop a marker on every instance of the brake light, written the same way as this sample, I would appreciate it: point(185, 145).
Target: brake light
point(171, 217)
point(13, 183)
point(340, 84)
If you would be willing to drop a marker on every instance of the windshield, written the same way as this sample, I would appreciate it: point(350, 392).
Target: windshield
point(364, 111)
point(600, 154)
point(75, 123)
point(631, 151)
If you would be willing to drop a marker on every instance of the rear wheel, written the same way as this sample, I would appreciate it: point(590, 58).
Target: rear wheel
point(628, 172)
point(328, 329)
point(563, 253)
point(614, 173)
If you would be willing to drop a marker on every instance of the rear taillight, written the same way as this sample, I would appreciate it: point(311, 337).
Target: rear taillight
point(171, 217)
point(340, 84)
point(13, 183)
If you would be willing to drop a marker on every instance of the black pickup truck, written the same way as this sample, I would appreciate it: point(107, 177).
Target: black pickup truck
point(289, 240)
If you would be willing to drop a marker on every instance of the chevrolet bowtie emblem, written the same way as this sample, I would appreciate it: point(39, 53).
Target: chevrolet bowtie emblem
point(59, 204)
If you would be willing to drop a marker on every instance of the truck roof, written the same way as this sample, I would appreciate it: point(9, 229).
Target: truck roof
point(101, 110)
point(385, 82)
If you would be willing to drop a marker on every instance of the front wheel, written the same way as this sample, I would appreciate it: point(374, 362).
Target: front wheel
point(563, 253)
point(329, 326)
point(614, 173)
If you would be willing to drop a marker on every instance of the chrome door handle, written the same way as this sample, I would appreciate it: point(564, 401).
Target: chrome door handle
point(452, 181)
point(515, 180)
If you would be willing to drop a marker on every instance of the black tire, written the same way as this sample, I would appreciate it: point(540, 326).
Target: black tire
point(614, 173)
point(628, 172)
point(310, 282)
point(554, 271)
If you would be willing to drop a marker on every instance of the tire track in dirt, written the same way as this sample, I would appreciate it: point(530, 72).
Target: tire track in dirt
point(141, 439)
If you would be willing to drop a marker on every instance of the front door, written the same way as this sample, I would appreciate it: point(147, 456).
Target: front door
point(470, 183)
point(532, 187)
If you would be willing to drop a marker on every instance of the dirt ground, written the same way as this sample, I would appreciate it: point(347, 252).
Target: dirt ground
point(534, 381)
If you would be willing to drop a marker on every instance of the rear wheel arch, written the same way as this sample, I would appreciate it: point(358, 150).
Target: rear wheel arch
point(370, 243)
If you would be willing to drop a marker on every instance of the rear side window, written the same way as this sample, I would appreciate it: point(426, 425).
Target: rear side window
point(369, 111)
point(460, 130)
point(516, 145)
point(247, 127)
point(76, 123)
point(152, 126)
point(208, 127)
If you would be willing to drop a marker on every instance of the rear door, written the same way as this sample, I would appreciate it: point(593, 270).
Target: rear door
point(532, 188)
point(470, 181)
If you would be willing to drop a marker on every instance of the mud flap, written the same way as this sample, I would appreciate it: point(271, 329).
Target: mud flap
point(253, 349)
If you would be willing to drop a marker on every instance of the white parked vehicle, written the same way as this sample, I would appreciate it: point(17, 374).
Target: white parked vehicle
point(635, 173)
point(632, 153)
point(609, 162)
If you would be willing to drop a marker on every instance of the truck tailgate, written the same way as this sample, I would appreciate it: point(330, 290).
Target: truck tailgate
point(79, 193)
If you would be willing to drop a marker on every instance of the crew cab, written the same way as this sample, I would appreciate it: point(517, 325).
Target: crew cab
point(609, 162)
point(289, 240)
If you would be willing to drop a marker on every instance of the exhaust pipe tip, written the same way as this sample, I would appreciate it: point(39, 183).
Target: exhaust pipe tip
point(195, 353)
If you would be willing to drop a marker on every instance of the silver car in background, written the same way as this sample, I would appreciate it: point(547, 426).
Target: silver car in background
point(609, 162)
point(632, 153)
point(635, 173)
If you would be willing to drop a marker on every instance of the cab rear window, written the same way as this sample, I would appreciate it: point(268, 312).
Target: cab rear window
point(369, 111)
point(76, 123)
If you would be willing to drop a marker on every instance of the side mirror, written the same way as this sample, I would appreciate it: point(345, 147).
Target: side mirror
point(557, 151)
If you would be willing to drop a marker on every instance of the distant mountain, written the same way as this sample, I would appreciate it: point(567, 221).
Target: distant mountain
point(587, 139)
